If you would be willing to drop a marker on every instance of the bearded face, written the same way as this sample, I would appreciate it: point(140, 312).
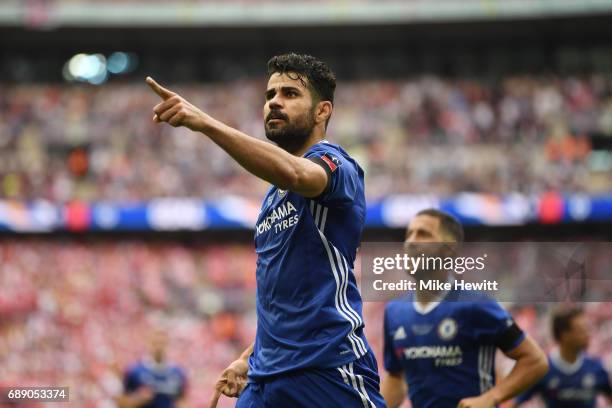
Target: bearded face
point(289, 112)
point(289, 133)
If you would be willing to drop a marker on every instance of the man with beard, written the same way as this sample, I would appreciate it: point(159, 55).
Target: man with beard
point(575, 378)
point(440, 345)
point(310, 349)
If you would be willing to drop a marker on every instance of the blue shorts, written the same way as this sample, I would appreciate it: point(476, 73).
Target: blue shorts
point(353, 385)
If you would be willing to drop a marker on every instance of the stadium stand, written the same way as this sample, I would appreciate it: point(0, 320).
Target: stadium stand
point(74, 312)
point(529, 133)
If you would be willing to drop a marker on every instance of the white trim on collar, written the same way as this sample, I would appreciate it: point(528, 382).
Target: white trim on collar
point(564, 366)
point(151, 364)
point(431, 305)
point(424, 309)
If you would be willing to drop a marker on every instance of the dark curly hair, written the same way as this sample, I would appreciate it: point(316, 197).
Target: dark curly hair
point(562, 320)
point(320, 79)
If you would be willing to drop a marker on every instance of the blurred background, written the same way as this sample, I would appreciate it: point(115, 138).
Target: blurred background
point(499, 111)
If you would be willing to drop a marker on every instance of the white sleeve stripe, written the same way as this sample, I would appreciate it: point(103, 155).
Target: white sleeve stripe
point(486, 362)
point(491, 367)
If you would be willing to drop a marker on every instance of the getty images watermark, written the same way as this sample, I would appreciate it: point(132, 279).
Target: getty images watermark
point(431, 264)
point(516, 272)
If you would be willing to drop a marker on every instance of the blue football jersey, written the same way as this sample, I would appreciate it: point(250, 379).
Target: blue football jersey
point(168, 382)
point(571, 385)
point(447, 350)
point(308, 305)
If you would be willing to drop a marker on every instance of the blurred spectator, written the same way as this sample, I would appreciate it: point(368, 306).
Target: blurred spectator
point(153, 382)
point(426, 134)
point(73, 313)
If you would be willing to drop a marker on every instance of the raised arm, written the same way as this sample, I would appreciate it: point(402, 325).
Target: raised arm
point(264, 160)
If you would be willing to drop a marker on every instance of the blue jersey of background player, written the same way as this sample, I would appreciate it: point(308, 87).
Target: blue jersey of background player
point(442, 345)
point(574, 379)
point(310, 350)
point(152, 382)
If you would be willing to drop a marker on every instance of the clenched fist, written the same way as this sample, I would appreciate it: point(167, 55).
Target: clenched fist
point(176, 110)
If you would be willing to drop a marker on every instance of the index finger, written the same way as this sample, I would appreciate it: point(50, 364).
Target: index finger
point(215, 399)
point(158, 89)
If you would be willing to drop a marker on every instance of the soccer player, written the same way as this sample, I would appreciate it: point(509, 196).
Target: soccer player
point(153, 382)
point(574, 379)
point(310, 349)
point(440, 346)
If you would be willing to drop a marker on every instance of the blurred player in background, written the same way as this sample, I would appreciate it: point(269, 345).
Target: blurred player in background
point(574, 378)
point(310, 349)
point(441, 345)
point(153, 382)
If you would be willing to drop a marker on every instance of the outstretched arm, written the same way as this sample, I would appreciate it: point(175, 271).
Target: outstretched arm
point(264, 160)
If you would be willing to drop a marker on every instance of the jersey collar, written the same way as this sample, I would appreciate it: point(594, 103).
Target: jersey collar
point(433, 304)
point(564, 366)
point(319, 142)
point(152, 365)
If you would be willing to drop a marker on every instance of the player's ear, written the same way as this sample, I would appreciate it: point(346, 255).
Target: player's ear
point(323, 111)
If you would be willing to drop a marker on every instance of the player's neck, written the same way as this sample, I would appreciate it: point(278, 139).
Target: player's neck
point(569, 355)
point(425, 297)
point(156, 360)
point(315, 137)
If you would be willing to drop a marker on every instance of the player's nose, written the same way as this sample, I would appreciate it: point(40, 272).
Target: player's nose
point(275, 102)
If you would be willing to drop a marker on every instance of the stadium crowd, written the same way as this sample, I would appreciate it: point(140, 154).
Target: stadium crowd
point(76, 313)
point(66, 320)
point(426, 134)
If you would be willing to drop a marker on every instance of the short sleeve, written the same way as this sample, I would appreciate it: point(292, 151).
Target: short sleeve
point(494, 325)
point(603, 380)
point(131, 382)
point(392, 363)
point(344, 180)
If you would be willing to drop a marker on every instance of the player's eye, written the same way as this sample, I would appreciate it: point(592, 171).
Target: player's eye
point(292, 93)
